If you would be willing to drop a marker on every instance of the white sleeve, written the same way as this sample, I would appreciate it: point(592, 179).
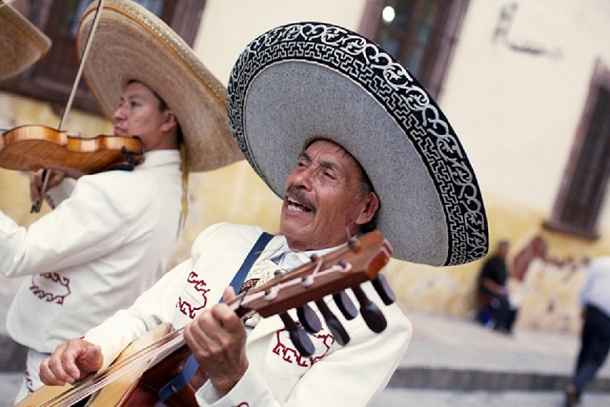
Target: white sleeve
point(153, 307)
point(350, 376)
point(93, 221)
point(590, 274)
point(61, 192)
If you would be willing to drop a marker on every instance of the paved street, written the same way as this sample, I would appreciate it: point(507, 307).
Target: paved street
point(447, 356)
point(435, 398)
point(9, 384)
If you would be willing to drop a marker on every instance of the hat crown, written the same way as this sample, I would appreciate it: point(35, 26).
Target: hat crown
point(420, 128)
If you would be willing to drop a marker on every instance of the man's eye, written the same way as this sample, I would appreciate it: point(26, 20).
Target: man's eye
point(329, 174)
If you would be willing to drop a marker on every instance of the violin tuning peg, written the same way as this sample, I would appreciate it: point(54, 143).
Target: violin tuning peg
point(372, 315)
point(309, 319)
point(354, 244)
point(333, 324)
point(384, 290)
point(298, 336)
point(345, 305)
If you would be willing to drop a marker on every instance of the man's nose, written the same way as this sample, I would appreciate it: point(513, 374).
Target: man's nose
point(303, 178)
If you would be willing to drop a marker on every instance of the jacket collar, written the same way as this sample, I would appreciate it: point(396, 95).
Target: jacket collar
point(158, 158)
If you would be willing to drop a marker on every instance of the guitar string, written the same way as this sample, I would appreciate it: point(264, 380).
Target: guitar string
point(154, 350)
point(137, 359)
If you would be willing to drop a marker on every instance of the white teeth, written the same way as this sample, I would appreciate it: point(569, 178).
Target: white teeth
point(295, 207)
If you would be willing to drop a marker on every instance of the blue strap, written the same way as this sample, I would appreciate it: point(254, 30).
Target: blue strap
point(184, 377)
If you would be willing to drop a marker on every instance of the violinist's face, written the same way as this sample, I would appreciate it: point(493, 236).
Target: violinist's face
point(139, 114)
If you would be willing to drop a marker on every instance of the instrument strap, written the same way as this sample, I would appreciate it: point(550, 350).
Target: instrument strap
point(184, 377)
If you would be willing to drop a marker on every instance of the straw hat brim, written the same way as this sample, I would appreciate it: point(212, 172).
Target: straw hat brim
point(307, 80)
point(132, 43)
point(21, 42)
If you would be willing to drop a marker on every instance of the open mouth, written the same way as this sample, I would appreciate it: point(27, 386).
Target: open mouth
point(298, 206)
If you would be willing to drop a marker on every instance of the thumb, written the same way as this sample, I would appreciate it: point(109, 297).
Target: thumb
point(90, 359)
point(228, 295)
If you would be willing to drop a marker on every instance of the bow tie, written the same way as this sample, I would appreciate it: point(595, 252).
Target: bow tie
point(289, 260)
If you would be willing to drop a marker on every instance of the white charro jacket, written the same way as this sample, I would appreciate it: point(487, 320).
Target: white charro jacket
point(277, 374)
point(108, 240)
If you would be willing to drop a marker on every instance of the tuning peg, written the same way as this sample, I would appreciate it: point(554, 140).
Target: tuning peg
point(333, 324)
point(354, 244)
point(384, 290)
point(345, 305)
point(298, 336)
point(309, 319)
point(371, 314)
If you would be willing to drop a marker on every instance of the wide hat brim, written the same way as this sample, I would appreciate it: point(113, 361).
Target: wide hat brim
point(131, 43)
point(21, 43)
point(306, 80)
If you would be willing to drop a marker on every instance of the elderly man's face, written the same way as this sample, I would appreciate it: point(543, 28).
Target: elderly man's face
point(323, 199)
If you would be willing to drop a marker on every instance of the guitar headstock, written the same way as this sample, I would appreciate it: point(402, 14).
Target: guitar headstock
point(346, 268)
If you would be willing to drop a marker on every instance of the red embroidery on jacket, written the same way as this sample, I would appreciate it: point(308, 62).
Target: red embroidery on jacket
point(199, 285)
point(51, 287)
point(284, 348)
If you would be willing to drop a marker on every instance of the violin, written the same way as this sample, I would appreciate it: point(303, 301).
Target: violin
point(140, 374)
point(33, 147)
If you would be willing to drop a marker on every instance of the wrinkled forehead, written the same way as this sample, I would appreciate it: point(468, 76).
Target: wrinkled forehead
point(330, 150)
point(342, 156)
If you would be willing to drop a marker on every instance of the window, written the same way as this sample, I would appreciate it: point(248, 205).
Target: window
point(583, 187)
point(51, 78)
point(420, 34)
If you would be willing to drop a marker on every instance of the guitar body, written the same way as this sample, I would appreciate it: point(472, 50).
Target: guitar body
point(149, 363)
point(44, 395)
point(129, 390)
point(140, 389)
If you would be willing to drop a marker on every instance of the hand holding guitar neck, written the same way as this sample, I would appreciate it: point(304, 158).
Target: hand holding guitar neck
point(147, 365)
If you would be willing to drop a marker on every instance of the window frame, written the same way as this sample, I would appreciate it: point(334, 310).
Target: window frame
point(600, 79)
point(40, 83)
point(438, 53)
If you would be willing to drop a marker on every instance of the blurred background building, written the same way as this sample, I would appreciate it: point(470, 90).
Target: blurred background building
point(526, 85)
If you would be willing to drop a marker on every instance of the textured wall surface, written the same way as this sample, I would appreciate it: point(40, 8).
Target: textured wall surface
point(516, 112)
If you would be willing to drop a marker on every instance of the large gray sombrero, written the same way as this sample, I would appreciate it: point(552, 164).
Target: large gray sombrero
point(21, 43)
point(131, 43)
point(306, 80)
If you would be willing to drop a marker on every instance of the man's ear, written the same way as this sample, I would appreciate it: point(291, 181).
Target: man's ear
point(371, 206)
point(169, 122)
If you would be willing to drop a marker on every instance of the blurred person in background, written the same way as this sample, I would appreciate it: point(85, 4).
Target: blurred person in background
point(494, 305)
point(595, 335)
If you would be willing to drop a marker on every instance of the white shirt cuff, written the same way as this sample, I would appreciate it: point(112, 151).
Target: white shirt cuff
point(250, 390)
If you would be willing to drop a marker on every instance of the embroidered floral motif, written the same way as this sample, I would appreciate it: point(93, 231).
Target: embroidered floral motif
point(285, 349)
point(199, 285)
point(51, 287)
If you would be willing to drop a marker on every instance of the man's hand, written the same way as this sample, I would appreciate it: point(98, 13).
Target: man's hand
point(217, 338)
point(36, 181)
point(71, 361)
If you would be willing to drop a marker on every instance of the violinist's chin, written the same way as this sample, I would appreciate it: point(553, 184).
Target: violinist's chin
point(119, 131)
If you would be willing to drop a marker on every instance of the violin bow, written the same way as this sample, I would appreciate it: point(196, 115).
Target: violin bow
point(46, 173)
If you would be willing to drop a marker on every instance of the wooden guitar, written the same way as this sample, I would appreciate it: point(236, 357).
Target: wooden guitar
point(136, 376)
